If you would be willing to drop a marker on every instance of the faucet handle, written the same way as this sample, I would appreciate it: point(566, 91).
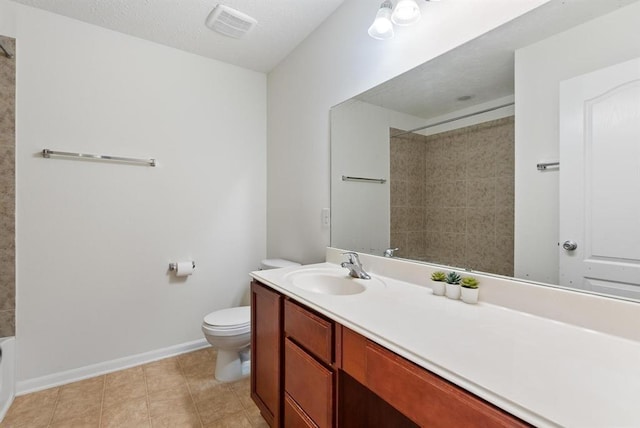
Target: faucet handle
point(389, 252)
point(352, 256)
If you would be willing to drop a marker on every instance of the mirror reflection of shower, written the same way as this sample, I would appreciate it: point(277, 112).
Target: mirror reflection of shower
point(6, 52)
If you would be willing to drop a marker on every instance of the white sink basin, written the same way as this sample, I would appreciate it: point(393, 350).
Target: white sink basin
point(331, 281)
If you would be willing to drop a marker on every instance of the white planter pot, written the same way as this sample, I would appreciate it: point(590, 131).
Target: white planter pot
point(469, 295)
point(453, 291)
point(438, 287)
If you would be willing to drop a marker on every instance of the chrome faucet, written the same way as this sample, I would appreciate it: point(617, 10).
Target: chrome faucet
point(354, 266)
point(389, 252)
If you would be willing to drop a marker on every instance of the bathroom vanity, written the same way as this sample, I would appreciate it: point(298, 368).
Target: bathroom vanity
point(309, 371)
point(332, 351)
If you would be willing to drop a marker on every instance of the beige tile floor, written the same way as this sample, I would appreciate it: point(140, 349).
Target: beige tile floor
point(174, 392)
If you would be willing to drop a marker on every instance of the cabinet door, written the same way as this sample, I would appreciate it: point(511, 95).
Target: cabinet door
point(266, 349)
point(294, 416)
point(310, 331)
point(425, 398)
point(310, 384)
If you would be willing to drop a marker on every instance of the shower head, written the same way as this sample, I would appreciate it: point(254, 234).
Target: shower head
point(6, 52)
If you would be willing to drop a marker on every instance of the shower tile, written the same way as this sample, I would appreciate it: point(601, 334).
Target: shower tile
point(415, 219)
point(398, 190)
point(453, 194)
point(505, 221)
point(399, 219)
point(7, 323)
point(398, 240)
point(415, 193)
point(7, 291)
point(415, 245)
point(505, 191)
point(481, 252)
point(398, 166)
point(480, 221)
point(480, 155)
point(7, 182)
point(481, 193)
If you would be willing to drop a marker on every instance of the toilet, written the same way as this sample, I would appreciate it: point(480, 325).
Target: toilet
point(229, 331)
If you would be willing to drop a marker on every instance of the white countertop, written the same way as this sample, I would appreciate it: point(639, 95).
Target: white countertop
point(547, 372)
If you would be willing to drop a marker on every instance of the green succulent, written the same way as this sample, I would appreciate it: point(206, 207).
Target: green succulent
point(438, 276)
point(469, 282)
point(452, 278)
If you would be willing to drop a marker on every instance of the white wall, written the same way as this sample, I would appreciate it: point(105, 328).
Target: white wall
point(540, 68)
point(7, 18)
point(336, 62)
point(94, 239)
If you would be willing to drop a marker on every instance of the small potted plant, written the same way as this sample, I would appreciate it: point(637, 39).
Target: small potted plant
point(469, 289)
point(437, 283)
point(453, 285)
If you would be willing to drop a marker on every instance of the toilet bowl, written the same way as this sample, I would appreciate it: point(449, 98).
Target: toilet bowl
point(229, 331)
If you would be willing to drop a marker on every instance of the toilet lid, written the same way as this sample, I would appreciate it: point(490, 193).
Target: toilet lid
point(229, 317)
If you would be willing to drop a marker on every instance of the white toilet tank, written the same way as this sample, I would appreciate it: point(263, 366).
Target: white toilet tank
point(277, 263)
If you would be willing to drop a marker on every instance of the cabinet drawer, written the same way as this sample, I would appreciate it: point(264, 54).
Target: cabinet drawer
point(310, 331)
point(294, 416)
point(309, 383)
point(426, 398)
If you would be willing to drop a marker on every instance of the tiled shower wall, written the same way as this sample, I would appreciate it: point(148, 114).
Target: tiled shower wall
point(7, 188)
point(452, 196)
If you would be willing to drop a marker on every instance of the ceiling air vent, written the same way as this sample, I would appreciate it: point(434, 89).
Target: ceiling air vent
point(229, 22)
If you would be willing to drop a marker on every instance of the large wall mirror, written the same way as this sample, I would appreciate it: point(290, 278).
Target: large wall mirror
point(495, 158)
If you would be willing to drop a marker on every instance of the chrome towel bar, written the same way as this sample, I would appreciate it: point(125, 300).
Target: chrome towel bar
point(544, 165)
point(46, 153)
point(366, 180)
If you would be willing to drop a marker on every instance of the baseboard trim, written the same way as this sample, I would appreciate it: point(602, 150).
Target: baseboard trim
point(61, 378)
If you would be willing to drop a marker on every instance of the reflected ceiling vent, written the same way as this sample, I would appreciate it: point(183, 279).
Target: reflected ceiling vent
point(230, 22)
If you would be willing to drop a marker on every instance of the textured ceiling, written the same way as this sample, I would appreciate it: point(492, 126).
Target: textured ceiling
point(282, 24)
point(484, 67)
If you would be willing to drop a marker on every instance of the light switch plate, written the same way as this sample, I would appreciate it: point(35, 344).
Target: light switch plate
point(326, 217)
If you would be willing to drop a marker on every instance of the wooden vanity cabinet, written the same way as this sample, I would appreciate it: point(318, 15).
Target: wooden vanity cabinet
point(309, 377)
point(266, 352)
point(425, 398)
point(308, 371)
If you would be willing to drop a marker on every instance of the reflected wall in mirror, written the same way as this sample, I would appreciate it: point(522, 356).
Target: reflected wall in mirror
point(466, 222)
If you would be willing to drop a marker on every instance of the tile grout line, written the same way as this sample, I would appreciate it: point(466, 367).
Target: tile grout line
point(55, 406)
point(190, 393)
point(104, 389)
point(146, 389)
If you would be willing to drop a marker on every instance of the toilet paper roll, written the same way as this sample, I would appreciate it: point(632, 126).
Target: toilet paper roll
point(184, 268)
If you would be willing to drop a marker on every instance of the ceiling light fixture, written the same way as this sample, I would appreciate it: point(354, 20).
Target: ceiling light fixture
point(382, 28)
point(406, 12)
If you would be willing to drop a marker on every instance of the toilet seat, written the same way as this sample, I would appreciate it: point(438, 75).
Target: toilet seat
point(228, 322)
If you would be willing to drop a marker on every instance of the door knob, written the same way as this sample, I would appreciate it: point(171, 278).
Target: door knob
point(569, 245)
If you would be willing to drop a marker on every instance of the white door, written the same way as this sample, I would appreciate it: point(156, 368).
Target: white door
point(600, 180)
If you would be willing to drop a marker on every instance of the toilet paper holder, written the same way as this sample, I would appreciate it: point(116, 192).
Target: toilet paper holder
point(174, 266)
